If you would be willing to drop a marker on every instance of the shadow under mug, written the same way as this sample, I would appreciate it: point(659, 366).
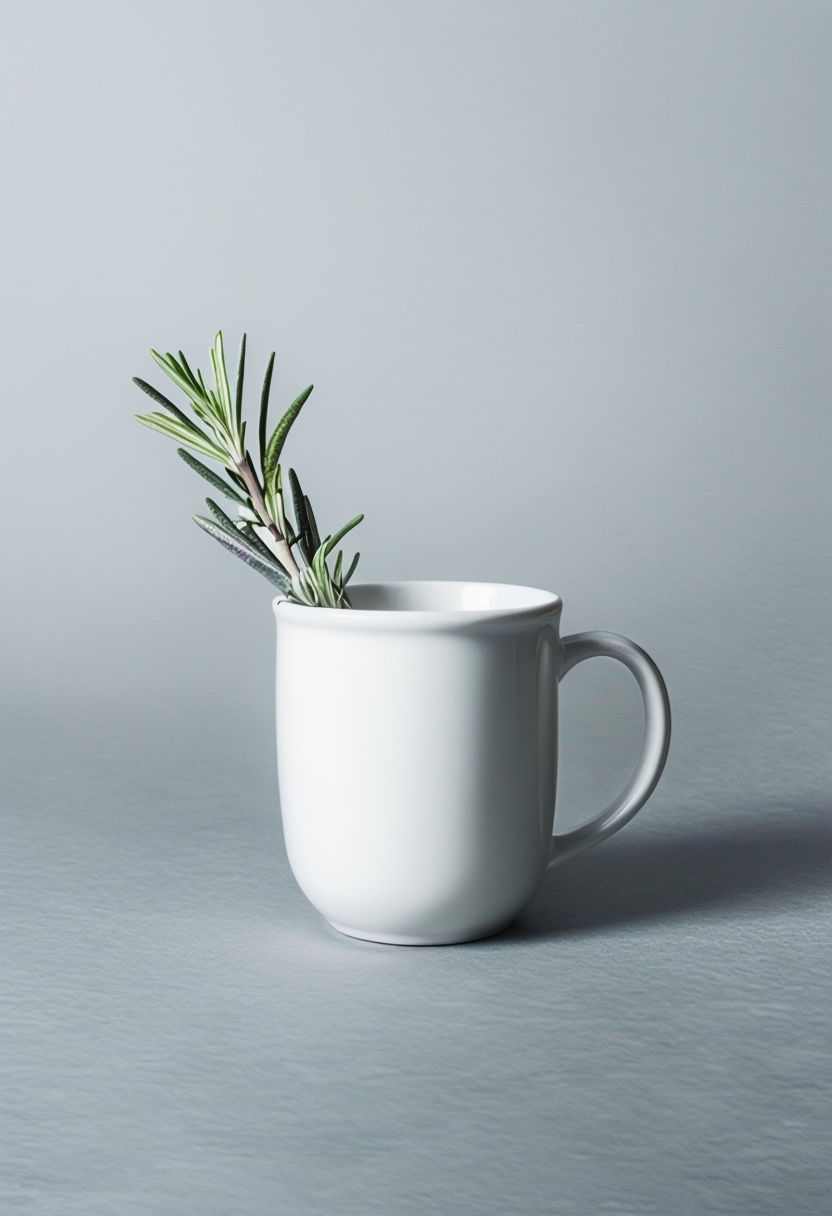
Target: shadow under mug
point(417, 754)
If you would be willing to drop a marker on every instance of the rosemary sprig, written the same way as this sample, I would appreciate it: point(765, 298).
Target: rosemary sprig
point(263, 536)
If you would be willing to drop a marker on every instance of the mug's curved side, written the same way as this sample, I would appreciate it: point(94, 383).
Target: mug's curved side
point(409, 767)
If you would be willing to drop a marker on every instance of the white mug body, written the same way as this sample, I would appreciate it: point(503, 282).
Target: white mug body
point(417, 755)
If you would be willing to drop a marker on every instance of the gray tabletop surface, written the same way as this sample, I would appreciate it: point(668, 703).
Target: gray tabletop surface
point(183, 1034)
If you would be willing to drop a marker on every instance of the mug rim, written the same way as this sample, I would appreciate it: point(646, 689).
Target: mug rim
point(542, 604)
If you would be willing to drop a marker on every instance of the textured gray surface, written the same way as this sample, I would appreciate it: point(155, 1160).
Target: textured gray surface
point(183, 1034)
point(561, 275)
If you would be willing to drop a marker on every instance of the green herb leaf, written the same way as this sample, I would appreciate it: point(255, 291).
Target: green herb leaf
point(222, 519)
point(275, 444)
point(341, 533)
point(264, 408)
point(223, 390)
point(301, 522)
point(184, 433)
point(351, 570)
point(175, 373)
point(241, 550)
point(183, 363)
point(320, 571)
point(306, 589)
point(244, 532)
point(241, 367)
point(247, 530)
point(215, 481)
point(214, 402)
point(161, 399)
point(314, 535)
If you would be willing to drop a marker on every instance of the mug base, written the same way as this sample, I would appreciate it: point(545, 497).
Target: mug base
point(420, 939)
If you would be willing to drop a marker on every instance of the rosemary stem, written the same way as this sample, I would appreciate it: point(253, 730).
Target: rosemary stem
point(279, 544)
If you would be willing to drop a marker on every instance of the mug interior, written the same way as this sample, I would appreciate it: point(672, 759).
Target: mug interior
point(441, 596)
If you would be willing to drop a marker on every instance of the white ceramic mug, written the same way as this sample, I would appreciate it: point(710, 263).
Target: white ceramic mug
point(417, 754)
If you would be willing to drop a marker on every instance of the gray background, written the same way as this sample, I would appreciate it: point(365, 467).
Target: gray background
point(560, 274)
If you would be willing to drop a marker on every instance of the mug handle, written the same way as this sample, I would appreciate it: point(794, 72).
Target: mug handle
point(654, 745)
